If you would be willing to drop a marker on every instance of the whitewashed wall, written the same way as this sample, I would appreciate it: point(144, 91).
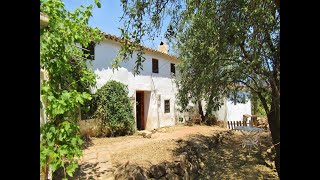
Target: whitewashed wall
point(236, 112)
point(231, 112)
point(153, 84)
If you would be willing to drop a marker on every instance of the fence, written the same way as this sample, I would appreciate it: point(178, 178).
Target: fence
point(245, 122)
point(233, 124)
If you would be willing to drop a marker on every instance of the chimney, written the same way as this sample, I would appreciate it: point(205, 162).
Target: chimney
point(163, 47)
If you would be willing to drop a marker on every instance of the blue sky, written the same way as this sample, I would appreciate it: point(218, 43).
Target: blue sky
point(108, 16)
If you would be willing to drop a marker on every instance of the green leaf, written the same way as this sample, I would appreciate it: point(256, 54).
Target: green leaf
point(97, 2)
point(49, 135)
point(50, 98)
point(79, 99)
point(45, 88)
point(71, 168)
point(86, 96)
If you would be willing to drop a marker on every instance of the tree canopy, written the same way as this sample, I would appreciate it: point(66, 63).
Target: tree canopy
point(222, 45)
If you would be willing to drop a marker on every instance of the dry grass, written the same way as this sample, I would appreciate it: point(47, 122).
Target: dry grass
point(226, 161)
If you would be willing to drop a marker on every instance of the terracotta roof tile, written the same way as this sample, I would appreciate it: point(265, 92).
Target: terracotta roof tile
point(118, 39)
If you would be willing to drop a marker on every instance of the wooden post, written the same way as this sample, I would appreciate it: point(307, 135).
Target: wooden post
point(245, 119)
point(254, 119)
point(250, 122)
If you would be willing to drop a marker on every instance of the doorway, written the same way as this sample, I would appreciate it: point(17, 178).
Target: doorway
point(140, 110)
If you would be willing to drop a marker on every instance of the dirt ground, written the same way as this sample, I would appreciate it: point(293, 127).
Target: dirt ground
point(158, 148)
point(223, 160)
point(228, 161)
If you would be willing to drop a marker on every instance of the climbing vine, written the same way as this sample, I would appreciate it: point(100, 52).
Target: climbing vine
point(62, 55)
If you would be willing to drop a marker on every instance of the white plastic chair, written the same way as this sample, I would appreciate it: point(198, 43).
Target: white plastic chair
point(250, 142)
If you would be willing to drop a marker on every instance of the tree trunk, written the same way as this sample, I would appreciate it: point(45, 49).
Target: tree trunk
point(274, 122)
point(277, 2)
point(255, 104)
point(201, 111)
point(274, 126)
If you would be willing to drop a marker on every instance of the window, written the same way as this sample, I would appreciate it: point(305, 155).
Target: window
point(155, 66)
point(90, 50)
point(173, 68)
point(166, 106)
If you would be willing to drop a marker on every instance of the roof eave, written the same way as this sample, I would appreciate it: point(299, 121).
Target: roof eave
point(117, 39)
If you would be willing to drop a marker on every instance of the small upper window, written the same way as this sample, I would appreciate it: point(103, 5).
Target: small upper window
point(173, 68)
point(155, 65)
point(166, 106)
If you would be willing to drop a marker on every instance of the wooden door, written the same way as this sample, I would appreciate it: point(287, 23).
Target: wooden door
point(140, 110)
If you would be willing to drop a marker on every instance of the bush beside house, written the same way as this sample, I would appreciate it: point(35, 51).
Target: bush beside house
point(112, 106)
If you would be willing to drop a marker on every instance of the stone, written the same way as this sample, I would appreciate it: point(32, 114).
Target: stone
point(186, 176)
point(154, 131)
point(201, 164)
point(126, 171)
point(173, 176)
point(178, 170)
point(147, 135)
point(157, 171)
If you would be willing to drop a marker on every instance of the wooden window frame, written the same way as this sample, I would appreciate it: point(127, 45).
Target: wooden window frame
point(173, 68)
point(167, 106)
point(155, 65)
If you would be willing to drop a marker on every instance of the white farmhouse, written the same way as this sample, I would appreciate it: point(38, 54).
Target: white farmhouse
point(153, 91)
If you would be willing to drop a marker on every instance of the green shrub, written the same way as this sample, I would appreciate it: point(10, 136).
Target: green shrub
point(112, 105)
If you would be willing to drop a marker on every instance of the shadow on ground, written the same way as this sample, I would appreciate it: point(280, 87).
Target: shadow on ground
point(85, 171)
point(222, 157)
point(208, 157)
point(87, 141)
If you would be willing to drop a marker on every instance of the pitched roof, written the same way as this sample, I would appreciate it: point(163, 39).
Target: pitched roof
point(118, 39)
point(44, 21)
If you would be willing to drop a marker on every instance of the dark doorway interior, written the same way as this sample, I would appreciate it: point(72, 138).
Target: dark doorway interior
point(140, 110)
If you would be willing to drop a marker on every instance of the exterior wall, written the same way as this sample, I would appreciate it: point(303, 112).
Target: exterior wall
point(236, 112)
point(230, 112)
point(156, 86)
point(90, 127)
